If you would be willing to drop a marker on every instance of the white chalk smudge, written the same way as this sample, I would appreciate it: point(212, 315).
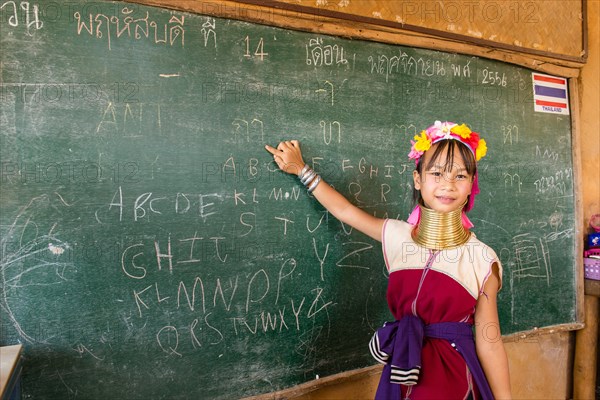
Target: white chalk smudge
point(56, 250)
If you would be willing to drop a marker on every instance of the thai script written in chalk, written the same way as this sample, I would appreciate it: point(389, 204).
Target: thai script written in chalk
point(27, 12)
point(108, 28)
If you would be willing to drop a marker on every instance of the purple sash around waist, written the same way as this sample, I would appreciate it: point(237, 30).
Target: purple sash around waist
point(398, 345)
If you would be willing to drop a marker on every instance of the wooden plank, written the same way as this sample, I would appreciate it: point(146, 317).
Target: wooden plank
point(9, 356)
point(592, 287)
point(318, 384)
point(574, 97)
point(586, 350)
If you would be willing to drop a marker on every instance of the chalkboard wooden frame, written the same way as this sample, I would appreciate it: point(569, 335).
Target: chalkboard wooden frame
point(319, 384)
point(467, 49)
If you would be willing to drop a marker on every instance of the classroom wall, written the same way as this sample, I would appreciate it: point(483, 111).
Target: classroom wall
point(541, 367)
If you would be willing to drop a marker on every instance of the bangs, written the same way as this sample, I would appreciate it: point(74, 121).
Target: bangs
point(452, 145)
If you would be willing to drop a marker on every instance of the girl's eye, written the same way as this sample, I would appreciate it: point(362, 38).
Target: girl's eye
point(435, 173)
point(461, 177)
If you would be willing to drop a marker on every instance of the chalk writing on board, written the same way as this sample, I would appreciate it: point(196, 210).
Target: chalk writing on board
point(512, 180)
point(277, 194)
point(329, 88)
point(555, 221)
point(260, 49)
point(101, 27)
point(493, 78)
point(149, 204)
point(549, 154)
point(31, 14)
point(319, 54)
point(320, 258)
point(532, 258)
point(335, 129)
point(251, 170)
point(463, 71)
point(407, 130)
point(558, 184)
point(244, 300)
point(130, 119)
point(510, 133)
point(209, 30)
point(404, 64)
point(254, 128)
point(529, 255)
point(531, 261)
point(357, 249)
point(245, 297)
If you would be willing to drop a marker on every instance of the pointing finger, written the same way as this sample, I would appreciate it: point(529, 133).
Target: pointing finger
point(271, 150)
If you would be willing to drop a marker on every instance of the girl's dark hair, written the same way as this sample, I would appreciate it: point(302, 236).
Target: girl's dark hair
point(451, 144)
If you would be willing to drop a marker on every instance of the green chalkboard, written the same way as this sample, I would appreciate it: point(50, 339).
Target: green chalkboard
point(150, 249)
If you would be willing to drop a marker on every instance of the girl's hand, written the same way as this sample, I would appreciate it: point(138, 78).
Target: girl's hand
point(288, 156)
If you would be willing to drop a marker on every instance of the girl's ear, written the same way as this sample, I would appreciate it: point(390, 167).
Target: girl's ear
point(416, 180)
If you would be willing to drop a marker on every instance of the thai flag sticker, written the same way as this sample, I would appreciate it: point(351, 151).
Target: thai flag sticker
point(550, 94)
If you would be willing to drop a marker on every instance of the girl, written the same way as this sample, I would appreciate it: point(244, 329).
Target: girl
point(442, 281)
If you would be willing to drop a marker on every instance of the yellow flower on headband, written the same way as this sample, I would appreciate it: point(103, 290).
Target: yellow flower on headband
point(481, 150)
point(447, 131)
point(462, 130)
point(422, 143)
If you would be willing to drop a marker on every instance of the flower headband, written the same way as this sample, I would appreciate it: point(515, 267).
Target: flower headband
point(447, 130)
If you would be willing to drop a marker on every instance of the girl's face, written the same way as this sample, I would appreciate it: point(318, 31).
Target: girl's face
point(444, 187)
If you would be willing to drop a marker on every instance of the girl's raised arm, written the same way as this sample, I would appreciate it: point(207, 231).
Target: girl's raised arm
point(288, 157)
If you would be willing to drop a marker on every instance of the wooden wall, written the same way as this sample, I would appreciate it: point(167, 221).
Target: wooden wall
point(527, 26)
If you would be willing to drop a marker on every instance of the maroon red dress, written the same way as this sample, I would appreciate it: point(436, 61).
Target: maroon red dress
point(436, 287)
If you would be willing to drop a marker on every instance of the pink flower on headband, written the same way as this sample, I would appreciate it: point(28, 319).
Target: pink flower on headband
point(447, 130)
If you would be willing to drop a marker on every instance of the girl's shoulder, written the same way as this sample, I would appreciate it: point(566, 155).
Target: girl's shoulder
point(476, 246)
point(482, 258)
point(397, 226)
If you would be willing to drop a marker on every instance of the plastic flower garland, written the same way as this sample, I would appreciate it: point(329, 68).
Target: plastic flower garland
point(447, 130)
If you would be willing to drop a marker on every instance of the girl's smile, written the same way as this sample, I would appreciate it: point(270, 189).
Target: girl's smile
point(445, 199)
